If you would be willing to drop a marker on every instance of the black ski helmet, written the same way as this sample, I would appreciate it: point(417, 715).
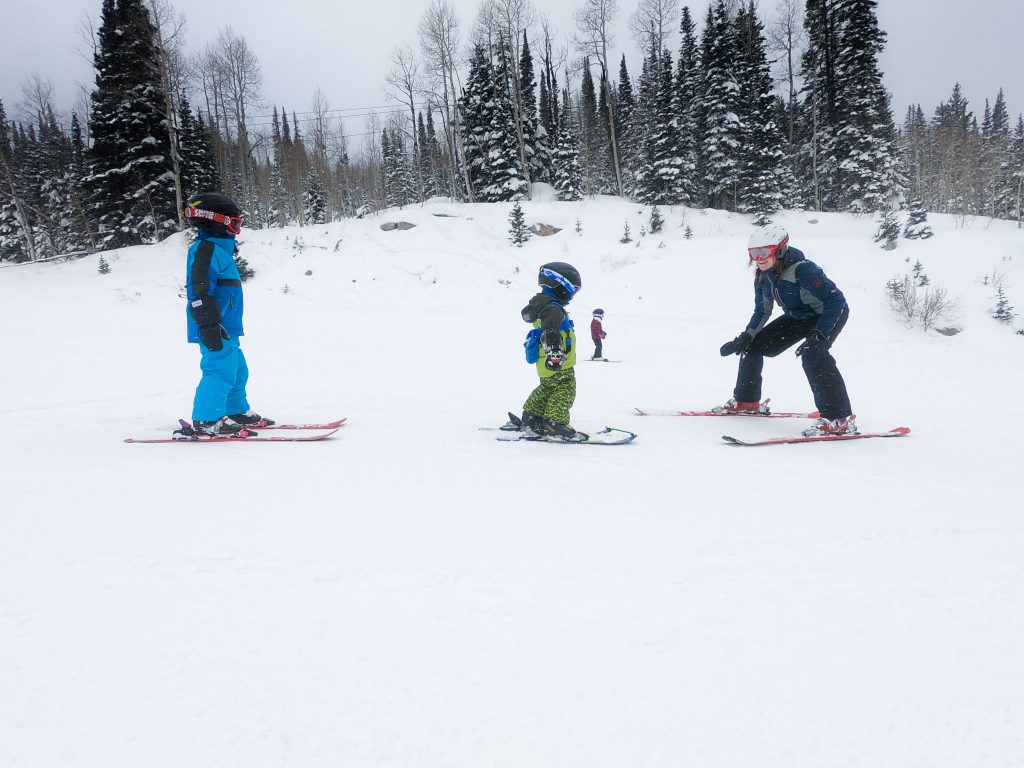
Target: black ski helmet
point(598, 313)
point(561, 278)
point(214, 213)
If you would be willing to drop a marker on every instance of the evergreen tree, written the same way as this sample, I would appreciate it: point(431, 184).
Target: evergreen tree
point(765, 175)
point(657, 222)
point(568, 181)
point(630, 150)
point(720, 127)
point(590, 135)
point(244, 270)
point(103, 266)
point(917, 226)
point(130, 172)
point(1003, 311)
point(314, 204)
point(476, 106)
point(534, 138)
point(506, 179)
point(662, 178)
point(519, 232)
point(888, 229)
point(687, 83)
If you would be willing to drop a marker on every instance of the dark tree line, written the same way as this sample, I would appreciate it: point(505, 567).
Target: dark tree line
point(701, 125)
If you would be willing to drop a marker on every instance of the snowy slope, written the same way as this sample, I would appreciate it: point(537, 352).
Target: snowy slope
point(415, 593)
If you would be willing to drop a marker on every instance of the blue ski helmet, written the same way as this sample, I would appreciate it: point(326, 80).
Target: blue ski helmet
point(561, 279)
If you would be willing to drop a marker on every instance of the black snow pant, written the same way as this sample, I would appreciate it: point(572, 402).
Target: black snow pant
point(597, 348)
point(830, 396)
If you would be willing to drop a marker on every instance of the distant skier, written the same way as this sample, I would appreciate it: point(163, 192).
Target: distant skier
point(597, 333)
point(214, 317)
point(815, 313)
point(552, 345)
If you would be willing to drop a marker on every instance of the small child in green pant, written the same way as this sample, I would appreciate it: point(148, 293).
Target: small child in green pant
point(546, 410)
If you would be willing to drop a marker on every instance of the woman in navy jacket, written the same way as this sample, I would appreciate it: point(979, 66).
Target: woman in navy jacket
point(815, 313)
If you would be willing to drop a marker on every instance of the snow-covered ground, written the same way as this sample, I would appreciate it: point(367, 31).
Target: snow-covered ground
point(415, 593)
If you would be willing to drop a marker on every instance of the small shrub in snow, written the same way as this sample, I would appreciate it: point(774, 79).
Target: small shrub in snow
point(888, 229)
point(625, 235)
point(917, 227)
point(657, 222)
point(244, 270)
point(579, 227)
point(917, 307)
point(1003, 311)
point(643, 231)
point(286, 289)
point(104, 266)
point(688, 233)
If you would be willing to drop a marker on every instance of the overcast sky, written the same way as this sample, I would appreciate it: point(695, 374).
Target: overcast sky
point(344, 48)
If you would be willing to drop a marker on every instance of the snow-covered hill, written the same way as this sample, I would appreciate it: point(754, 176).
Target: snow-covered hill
point(415, 593)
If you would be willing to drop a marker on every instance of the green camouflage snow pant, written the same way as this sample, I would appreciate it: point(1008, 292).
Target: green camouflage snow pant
point(553, 398)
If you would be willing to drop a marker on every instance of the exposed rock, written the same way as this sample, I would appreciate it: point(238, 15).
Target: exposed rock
point(387, 226)
point(544, 230)
point(951, 331)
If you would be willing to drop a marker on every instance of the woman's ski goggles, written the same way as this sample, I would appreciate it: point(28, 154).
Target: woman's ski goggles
point(763, 253)
point(232, 224)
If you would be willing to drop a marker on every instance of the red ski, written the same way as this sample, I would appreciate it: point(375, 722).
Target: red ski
point(326, 425)
point(896, 432)
point(245, 436)
point(772, 415)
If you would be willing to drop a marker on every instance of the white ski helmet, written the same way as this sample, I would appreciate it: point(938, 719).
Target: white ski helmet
point(770, 236)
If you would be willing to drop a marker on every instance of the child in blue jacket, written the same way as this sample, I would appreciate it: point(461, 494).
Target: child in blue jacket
point(214, 317)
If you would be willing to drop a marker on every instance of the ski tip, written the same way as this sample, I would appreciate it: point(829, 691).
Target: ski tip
point(899, 431)
point(640, 413)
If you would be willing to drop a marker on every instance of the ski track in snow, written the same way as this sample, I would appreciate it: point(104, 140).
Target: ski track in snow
point(413, 592)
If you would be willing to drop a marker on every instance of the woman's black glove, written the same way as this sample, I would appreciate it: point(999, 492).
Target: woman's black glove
point(815, 342)
point(737, 346)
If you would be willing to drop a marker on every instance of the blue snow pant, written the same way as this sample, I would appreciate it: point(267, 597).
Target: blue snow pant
point(221, 391)
point(827, 385)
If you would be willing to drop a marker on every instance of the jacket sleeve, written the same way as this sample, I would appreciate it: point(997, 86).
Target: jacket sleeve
point(763, 304)
point(811, 278)
point(551, 317)
point(201, 269)
point(203, 306)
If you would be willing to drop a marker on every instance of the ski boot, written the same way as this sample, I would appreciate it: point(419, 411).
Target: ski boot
point(220, 428)
point(251, 419)
point(526, 423)
point(561, 433)
point(752, 409)
point(822, 427)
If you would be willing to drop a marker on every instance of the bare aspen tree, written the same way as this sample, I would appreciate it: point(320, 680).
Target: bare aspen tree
point(170, 33)
point(786, 37)
point(594, 21)
point(439, 41)
point(404, 78)
point(320, 130)
point(242, 81)
point(653, 23)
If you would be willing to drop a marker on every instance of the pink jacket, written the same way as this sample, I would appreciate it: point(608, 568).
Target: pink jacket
point(595, 330)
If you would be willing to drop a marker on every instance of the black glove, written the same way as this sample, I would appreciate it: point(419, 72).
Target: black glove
point(211, 336)
point(204, 310)
point(552, 340)
point(555, 359)
point(815, 342)
point(737, 346)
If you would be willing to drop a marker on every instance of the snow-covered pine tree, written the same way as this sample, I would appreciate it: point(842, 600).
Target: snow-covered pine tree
point(591, 145)
point(15, 234)
point(314, 204)
point(1003, 311)
point(507, 181)
point(244, 270)
point(866, 136)
point(130, 174)
point(917, 227)
point(519, 232)
point(476, 105)
point(656, 220)
point(534, 138)
point(719, 124)
point(103, 266)
point(888, 229)
point(626, 131)
point(625, 234)
point(568, 180)
point(662, 179)
point(424, 169)
point(765, 175)
point(687, 81)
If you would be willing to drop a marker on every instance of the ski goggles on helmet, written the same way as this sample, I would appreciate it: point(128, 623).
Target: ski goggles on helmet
point(763, 253)
point(560, 279)
point(232, 224)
